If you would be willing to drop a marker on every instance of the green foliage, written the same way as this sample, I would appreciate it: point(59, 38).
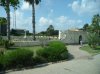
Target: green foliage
point(54, 52)
point(38, 59)
point(94, 32)
point(50, 30)
point(5, 43)
point(93, 40)
point(13, 3)
point(1, 63)
point(17, 59)
point(90, 50)
point(85, 27)
point(96, 23)
point(8, 44)
point(3, 21)
point(35, 1)
point(1, 41)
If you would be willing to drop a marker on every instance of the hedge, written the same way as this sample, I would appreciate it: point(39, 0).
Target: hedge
point(55, 51)
point(16, 59)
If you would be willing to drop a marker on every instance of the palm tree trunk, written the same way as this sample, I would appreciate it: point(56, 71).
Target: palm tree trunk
point(33, 20)
point(8, 20)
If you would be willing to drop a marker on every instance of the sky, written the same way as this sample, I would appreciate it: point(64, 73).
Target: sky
point(62, 14)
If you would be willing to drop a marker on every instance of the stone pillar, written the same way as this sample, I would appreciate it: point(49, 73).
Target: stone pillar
point(59, 35)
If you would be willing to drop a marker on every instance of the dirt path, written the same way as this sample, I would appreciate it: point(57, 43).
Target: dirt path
point(75, 51)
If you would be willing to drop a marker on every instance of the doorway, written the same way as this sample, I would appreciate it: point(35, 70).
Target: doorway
point(80, 38)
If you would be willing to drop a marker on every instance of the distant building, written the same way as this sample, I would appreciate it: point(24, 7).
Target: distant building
point(3, 26)
point(73, 36)
point(17, 32)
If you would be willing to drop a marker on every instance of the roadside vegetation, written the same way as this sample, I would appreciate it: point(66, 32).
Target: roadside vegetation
point(90, 50)
point(21, 57)
point(93, 30)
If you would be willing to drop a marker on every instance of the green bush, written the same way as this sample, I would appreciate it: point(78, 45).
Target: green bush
point(39, 60)
point(55, 51)
point(93, 40)
point(5, 43)
point(1, 41)
point(17, 59)
point(8, 44)
point(1, 64)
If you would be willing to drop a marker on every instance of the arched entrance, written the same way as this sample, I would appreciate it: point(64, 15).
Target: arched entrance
point(80, 38)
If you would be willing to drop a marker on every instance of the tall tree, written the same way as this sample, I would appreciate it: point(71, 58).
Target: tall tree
point(96, 24)
point(32, 2)
point(50, 30)
point(3, 24)
point(94, 31)
point(6, 4)
point(3, 20)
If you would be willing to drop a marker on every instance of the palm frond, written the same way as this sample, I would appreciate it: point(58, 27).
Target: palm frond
point(35, 1)
point(29, 1)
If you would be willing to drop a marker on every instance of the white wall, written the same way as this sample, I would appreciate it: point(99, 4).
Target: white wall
point(73, 36)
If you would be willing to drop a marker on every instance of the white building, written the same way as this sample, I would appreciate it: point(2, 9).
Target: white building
point(73, 36)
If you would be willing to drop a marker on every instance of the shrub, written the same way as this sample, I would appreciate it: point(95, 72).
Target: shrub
point(1, 64)
point(17, 59)
point(1, 41)
point(39, 60)
point(93, 40)
point(5, 43)
point(55, 51)
point(8, 44)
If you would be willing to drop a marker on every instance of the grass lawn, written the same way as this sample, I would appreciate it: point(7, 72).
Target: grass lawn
point(91, 50)
point(28, 48)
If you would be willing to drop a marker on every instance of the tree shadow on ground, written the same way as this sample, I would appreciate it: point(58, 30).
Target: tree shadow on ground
point(25, 68)
point(70, 57)
point(13, 48)
point(2, 72)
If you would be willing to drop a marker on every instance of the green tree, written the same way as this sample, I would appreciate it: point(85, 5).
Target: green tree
point(50, 30)
point(93, 40)
point(3, 26)
point(6, 4)
point(3, 21)
point(85, 27)
point(96, 24)
point(94, 31)
point(32, 2)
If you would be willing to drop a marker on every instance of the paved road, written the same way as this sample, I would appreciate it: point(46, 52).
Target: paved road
point(80, 65)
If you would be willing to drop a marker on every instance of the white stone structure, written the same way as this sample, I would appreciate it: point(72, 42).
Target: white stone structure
point(73, 36)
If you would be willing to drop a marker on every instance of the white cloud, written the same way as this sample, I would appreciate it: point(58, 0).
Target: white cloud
point(45, 21)
point(62, 19)
point(21, 21)
point(86, 6)
point(25, 6)
point(68, 23)
point(60, 23)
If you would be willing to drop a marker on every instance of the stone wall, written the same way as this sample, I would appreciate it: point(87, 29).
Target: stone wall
point(72, 37)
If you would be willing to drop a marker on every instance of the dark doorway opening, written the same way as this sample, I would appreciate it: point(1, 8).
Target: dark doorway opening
point(80, 38)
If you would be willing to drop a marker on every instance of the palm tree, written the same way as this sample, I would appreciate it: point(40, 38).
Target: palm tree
point(6, 4)
point(32, 2)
